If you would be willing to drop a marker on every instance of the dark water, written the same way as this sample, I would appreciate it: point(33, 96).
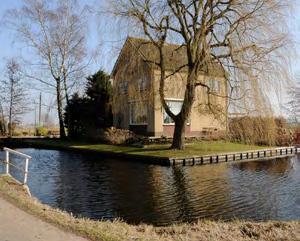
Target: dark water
point(107, 189)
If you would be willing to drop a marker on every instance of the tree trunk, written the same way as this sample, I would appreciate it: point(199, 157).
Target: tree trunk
point(182, 118)
point(67, 101)
point(60, 111)
point(179, 135)
point(61, 122)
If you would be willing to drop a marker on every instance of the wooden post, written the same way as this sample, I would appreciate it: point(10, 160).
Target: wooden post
point(202, 160)
point(226, 158)
point(217, 159)
point(26, 171)
point(241, 156)
point(7, 162)
point(258, 154)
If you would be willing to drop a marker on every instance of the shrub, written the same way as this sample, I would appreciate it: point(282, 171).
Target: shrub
point(41, 131)
point(260, 131)
point(25, 133)
point(116, 136)
point(297, 136)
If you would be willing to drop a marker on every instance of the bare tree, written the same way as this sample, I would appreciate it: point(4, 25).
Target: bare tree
point(56, 31)
point(15, 96)
point(242, 38)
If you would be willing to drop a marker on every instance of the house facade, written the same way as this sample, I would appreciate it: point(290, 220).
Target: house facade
point(136, 101)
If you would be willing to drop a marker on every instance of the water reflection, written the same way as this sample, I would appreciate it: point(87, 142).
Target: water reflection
point(279, 166)
point(99, 188)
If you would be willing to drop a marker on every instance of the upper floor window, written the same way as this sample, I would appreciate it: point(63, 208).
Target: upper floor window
point(123, 87)
point(142, 83)
point(214, 85)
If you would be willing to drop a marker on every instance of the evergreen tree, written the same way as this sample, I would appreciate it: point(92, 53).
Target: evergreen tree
point(92, 111)
point(99, 90)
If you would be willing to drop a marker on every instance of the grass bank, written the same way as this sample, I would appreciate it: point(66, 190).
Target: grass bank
point(117, 230)
point(154, 150)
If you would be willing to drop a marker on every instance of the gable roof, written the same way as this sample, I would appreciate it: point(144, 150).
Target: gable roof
point(175, 55)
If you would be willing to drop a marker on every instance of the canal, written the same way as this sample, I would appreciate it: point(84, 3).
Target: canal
point(100, 188)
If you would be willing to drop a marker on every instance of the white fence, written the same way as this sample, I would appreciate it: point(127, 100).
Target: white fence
point(8, 163)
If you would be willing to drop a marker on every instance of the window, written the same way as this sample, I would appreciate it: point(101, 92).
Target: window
point(175, 107)
point(214, 85)
point(142, 83)
point(123, 87)
point(138, 113)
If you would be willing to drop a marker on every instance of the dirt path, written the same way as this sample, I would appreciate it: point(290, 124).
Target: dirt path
point(16, 225)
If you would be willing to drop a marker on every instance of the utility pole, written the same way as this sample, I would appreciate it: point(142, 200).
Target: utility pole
point(40, 109)
point(35, 127)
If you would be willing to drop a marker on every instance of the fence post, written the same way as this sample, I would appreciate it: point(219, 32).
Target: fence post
point(26, 171)
point(7, 162)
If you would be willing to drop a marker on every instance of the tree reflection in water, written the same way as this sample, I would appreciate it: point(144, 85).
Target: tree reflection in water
point(100, 188)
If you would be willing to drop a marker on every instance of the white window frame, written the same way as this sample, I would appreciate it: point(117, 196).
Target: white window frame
point(130, 117)
point(164, 111)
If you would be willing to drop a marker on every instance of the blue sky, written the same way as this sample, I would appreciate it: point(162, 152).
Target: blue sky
point(99, 45)
point(103, 39)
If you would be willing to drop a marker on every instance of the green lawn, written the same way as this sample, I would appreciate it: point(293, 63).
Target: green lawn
point(162, 150)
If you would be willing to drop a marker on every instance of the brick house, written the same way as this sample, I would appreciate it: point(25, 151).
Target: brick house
point(136, 102)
